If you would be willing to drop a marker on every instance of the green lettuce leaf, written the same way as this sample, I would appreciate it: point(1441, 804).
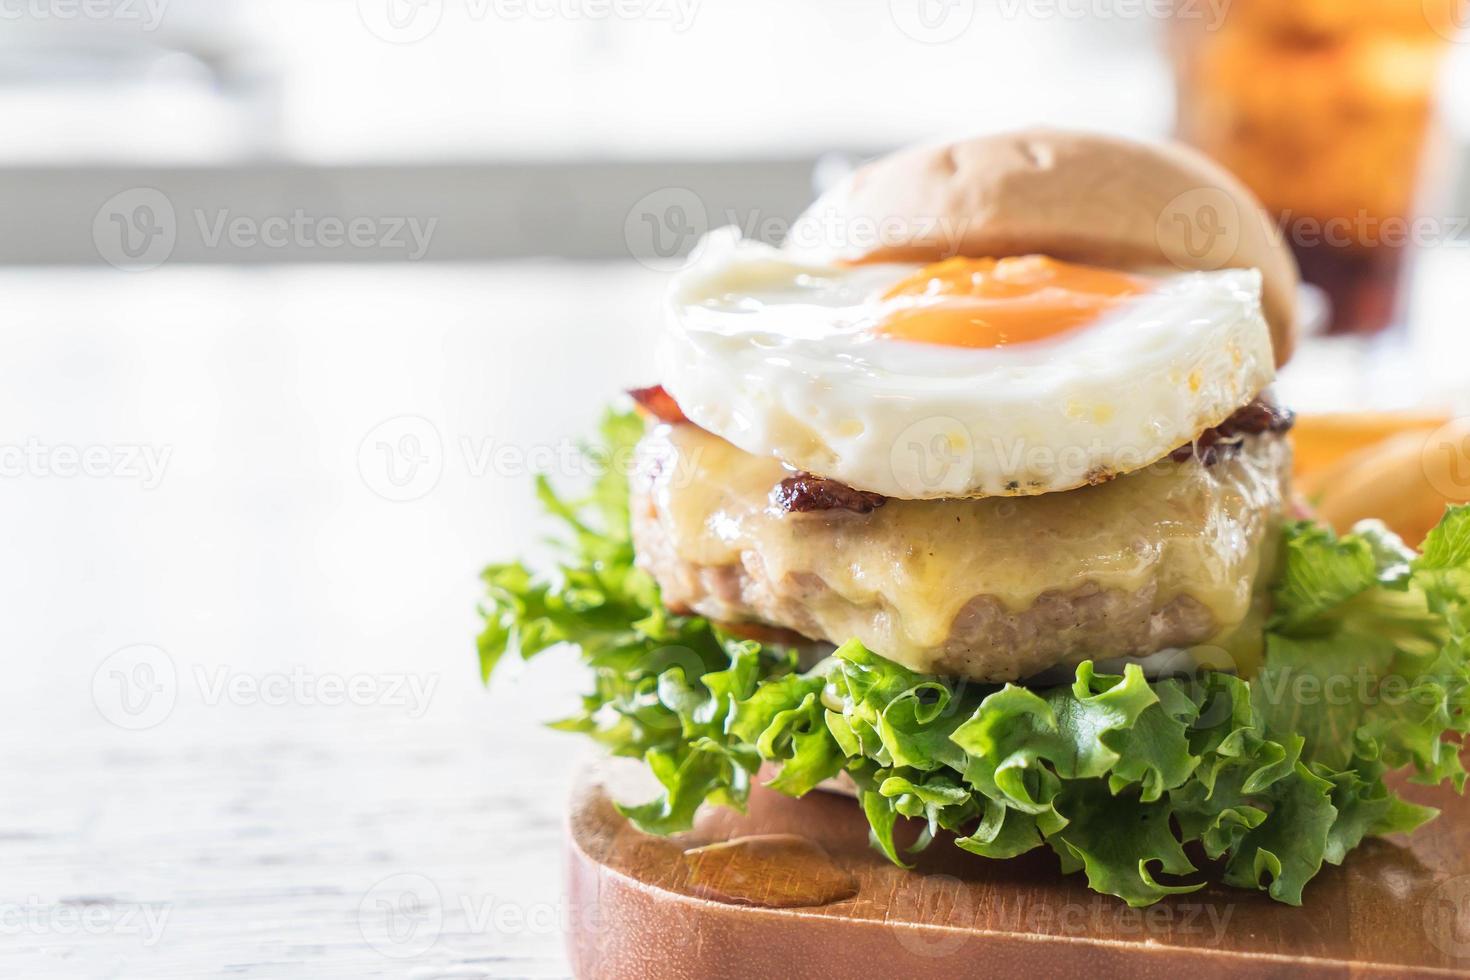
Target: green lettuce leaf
point(1366, 671)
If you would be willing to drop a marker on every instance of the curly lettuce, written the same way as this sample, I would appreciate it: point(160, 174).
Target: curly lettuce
point(1365, 673)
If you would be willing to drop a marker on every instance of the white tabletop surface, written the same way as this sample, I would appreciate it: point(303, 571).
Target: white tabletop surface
point(244, 729)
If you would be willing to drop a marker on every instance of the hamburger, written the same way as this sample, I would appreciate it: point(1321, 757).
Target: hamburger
point(972, 501)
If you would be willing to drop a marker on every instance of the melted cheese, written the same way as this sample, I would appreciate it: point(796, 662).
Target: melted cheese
point(1186, 529)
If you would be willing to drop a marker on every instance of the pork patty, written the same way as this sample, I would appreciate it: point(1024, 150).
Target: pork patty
point(990, 589)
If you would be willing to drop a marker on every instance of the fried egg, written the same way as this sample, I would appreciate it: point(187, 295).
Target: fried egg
point(967, 377)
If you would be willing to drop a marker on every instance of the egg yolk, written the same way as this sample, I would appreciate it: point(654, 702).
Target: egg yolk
point(998, 302)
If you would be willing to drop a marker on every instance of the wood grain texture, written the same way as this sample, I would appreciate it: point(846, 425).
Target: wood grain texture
point(1396, 908)
point(251, 823)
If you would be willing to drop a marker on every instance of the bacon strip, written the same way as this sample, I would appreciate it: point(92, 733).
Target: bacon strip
point(1224, 440)
point(658, 403)
point(804, 492)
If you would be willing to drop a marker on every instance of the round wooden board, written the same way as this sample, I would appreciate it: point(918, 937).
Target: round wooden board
point(728, 899)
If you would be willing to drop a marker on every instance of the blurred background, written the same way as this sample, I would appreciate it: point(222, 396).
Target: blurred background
point(534, 112)
point(565, 128)
point(298, 295)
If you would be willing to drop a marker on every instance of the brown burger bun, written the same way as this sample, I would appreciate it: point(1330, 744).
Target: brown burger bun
point(1079, 197)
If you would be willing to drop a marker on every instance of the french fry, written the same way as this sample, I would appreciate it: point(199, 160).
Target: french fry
point(1324, 440)
point(1405, 479)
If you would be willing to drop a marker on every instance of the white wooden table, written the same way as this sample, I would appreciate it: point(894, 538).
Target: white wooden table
point(243, 729)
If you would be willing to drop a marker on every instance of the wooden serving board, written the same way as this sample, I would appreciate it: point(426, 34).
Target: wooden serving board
point(792, 889)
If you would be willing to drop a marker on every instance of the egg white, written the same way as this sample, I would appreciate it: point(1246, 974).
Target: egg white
point(776, 356)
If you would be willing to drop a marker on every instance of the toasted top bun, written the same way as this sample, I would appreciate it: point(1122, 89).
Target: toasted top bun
point(1081, 197)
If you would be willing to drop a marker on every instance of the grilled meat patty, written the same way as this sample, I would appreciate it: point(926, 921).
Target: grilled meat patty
point(990, 589)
